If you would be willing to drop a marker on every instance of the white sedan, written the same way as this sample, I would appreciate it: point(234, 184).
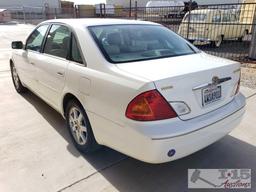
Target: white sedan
point(134, 86)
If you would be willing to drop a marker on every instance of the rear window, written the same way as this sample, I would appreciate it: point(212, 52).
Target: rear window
point(195, 17)
point(127, 43)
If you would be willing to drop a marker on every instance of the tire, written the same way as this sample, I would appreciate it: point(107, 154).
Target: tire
point(191, 41)
point(16, 80)
point(240, 39)
point(217, 43)
point(79, 128)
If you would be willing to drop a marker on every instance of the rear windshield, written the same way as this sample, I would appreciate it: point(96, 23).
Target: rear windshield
point(195, 17)
point(127, 43)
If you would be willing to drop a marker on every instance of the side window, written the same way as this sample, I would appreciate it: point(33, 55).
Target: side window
point(216, 18)
point(75, 52)
point(35, 40)
point(57, 41)
point(226, 17)
point(233, 17)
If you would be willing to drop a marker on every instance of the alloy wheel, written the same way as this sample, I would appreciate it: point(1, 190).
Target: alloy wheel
point(77, 125)
point(15, 77)
point(218, 41)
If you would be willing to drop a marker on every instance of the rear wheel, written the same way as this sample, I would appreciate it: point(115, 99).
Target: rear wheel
point(240, 39)
point(79, 127)
point(16, 80)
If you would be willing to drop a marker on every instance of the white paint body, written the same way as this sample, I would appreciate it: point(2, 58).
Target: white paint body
point(105, 89)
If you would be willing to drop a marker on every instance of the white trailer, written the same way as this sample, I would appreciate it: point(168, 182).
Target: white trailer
point(105, 9)
point(165, 7)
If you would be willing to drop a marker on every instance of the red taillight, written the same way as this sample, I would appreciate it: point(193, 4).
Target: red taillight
point(149, 106)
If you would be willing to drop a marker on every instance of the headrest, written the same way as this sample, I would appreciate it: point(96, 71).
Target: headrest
point(65, 42)
point(114, 38)
point(112, 49)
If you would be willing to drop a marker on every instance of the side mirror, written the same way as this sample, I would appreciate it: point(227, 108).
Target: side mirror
point(17, 45)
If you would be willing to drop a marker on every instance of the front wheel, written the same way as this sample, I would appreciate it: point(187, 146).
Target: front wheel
point(79, 127)
point(217, 42)
point(192, 41)
point(240, 39)
point(16, 80)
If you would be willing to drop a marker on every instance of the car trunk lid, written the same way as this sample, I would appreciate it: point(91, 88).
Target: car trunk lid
point(189, 79)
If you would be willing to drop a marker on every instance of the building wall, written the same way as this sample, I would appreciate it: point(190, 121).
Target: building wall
point(29, 3)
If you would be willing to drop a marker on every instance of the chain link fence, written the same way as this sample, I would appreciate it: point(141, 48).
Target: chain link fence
point(223, 30)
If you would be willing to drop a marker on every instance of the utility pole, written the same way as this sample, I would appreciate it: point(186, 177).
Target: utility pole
point(24, 14)
point(189, 14)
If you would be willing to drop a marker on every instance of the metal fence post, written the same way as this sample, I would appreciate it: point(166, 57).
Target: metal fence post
point(55, 13)
point(74, 12)
point(189, 14)
point(77, 11)
point(136, 10)
point(130, 9)
point(104, 5)
point(102, 10)
point(252, 51)
point(24, 14)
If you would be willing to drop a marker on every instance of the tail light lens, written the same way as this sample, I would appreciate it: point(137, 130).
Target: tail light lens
point(149, 106)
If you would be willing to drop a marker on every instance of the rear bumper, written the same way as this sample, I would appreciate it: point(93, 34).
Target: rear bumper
point(191, 142)
point(213, 126)
point(151, 141)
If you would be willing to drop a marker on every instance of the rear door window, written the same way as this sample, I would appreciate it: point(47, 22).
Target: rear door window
point(75, 52)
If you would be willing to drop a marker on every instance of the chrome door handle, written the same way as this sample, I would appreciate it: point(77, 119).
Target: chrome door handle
point(60, 73)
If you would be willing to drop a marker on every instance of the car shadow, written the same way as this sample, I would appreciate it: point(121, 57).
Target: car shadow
point(229, 152)
point(127, 174)
point(59, 124)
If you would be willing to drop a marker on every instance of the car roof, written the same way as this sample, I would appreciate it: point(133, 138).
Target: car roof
point(95, 21)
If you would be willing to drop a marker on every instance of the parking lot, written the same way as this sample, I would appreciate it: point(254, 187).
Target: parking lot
point(36, 153)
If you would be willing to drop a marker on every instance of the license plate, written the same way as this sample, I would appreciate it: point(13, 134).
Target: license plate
point(211, 94)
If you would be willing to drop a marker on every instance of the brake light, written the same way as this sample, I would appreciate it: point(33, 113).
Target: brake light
point(149, 106)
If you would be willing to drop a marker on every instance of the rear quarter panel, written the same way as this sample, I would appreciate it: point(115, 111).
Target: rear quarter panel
point(102, 88)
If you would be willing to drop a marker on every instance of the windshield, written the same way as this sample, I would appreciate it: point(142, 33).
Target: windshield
point(195, 17)
point(126, 43)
